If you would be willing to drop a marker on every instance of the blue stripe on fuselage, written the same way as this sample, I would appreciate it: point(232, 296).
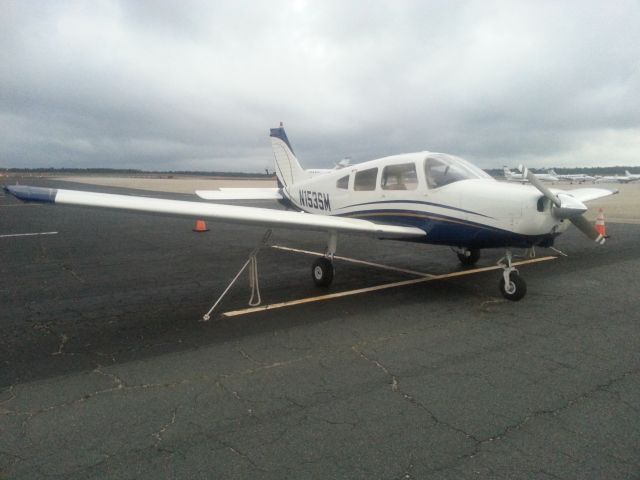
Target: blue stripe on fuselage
point(420, 202)
point(445, 230)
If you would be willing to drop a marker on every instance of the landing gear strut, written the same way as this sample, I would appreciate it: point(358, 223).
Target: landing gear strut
point(468, 256)
point(322, 269)
point(512, 286)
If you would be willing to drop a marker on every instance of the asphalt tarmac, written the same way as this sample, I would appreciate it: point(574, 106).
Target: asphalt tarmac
point(107, 371)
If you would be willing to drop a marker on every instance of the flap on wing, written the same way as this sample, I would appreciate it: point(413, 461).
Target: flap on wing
point(223, 213)
point(587, 194)
point(240, 194)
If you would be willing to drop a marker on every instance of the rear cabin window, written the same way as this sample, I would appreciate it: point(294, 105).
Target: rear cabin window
point(343, 182)
point(366, 179)
point(399, 177)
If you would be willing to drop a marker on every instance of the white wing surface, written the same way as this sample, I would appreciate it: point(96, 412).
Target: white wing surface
point(587, 194)
point(240, 194)
point(223, 213)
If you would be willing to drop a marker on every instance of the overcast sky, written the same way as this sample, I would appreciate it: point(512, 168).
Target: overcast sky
point(196, 85)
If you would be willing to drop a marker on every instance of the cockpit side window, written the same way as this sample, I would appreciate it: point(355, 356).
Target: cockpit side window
point(439, 172)
point(399, 177)
point(366, 179)
point(343, 182)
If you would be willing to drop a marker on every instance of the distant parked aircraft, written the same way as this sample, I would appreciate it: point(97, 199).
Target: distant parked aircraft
point(345, 162)
point(519, 177)
point(617, 178)
point(574, 177)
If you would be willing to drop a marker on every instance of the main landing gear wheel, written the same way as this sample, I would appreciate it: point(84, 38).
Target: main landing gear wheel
point(515, 289)
point(468, 256)
point(322, 272)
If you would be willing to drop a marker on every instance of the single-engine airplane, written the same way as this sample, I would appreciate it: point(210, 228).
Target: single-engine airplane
point(426, 197)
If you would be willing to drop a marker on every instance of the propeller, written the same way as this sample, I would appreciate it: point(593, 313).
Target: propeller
point(589, 230)
point(565, 207)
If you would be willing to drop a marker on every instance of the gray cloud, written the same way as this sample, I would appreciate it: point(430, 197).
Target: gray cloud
point(196, 85)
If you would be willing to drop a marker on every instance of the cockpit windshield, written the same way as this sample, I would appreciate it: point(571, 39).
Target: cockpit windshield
point(441, 169)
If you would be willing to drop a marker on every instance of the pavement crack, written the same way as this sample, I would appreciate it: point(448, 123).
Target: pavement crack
point(17, 458)
point(394, 380)
point(395, 387)
point(67, 268)
point(261, 367)
point(548, 474)
point(165, 427)
point(437, 420)
point(119, 385)
point(118, 382)
point(244, 456)
point(603, 387)
point(334, 422)
point(249, 357)
point(407, 473)
point(12, 396)
point(63, 340)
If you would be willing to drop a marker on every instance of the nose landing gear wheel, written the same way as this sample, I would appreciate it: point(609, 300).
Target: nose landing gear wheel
point(322, 272)
point(514, 290)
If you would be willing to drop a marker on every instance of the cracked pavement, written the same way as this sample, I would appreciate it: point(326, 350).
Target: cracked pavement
point(107, 372)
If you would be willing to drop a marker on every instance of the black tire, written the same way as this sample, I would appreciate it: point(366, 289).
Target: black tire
point(517, 288)
point(471, 259)
point(322, 272)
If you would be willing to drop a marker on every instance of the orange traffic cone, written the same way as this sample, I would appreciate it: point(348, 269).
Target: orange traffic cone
point(600, 224)
point(200, 227)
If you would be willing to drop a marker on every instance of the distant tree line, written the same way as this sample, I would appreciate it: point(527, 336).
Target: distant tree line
point(130, 171)
point(617, 170)
point(495, 172)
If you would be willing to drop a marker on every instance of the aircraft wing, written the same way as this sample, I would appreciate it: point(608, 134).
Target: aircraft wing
point(216, 212)
point(241, 194)
point(587, 194)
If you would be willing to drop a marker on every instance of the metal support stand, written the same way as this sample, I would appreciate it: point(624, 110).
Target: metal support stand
point(559, 252)
point(507, 267)
point(252, 262)
point(332, 245)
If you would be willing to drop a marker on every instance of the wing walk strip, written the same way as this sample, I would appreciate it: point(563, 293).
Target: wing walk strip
point(386, 286)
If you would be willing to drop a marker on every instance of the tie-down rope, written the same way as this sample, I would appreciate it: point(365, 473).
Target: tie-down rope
point(252, 262)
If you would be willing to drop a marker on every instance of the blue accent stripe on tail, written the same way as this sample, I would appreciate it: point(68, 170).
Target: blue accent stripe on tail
point(282, 135)
point(32, 194)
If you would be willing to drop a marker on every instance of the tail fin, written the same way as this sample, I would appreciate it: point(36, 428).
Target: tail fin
point(288, 168)
point(507, 173)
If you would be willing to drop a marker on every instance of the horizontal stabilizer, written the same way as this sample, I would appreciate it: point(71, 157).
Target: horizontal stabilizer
point(241, 194)
point(217, 212)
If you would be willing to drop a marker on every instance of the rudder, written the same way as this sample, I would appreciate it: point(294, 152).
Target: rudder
point(288, 169)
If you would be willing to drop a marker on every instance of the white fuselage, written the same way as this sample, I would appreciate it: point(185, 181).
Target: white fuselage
point(466, 212)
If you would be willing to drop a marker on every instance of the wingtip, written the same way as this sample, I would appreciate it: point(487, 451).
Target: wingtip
point(32, 194)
